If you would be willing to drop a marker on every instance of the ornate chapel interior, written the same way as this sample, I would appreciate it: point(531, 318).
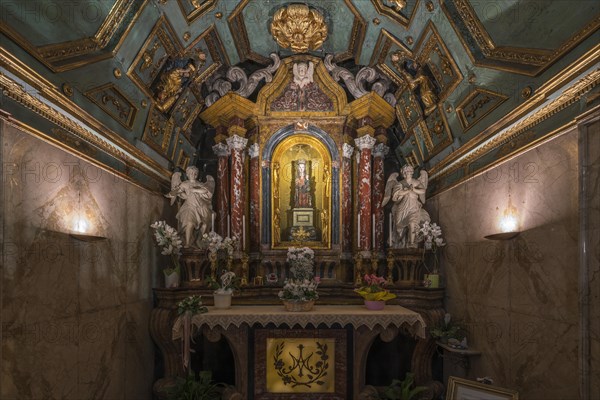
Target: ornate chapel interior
point(347, 127)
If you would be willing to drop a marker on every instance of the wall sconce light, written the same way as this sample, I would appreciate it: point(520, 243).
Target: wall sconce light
point(509, 222)
point(81, 226)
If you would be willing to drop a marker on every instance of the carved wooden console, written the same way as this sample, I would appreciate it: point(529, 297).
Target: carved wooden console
point(344, 311)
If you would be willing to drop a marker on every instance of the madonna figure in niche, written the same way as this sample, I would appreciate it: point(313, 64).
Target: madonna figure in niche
point(302, 192)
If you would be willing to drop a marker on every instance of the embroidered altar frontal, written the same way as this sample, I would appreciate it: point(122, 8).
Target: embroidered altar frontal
point(300, 364)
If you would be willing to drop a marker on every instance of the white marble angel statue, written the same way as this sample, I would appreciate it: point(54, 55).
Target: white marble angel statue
point(303, 73)
point(408, 196)
point(196, 212)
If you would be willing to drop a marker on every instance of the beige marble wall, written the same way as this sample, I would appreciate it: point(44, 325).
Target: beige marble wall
point(74, 314)
point(520, 298)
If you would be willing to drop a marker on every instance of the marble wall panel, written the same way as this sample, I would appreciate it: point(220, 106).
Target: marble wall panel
point(592, 214)
point(74, 313)
point(518, 298)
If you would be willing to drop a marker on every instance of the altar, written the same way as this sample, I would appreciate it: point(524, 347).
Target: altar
point(272, 327)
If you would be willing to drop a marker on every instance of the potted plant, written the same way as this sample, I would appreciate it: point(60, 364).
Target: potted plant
point(447, 331)
point(300, 292)
point(190, 388)
point(431, 235)
point(403, 390)
point(224, 288)
point(373, 292)
point(169, 241)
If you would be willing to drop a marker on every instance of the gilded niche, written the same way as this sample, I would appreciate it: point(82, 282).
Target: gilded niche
point(299, 28)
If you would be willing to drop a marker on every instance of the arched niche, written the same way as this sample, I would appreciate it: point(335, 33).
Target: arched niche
point(285, 147)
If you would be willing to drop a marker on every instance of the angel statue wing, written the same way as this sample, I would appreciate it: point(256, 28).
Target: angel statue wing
point(175, 182)
point(389, 188)
point(210, 184)
point(424, 179)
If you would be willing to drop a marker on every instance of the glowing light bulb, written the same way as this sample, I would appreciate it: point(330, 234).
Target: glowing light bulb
point(80, 225)
point(509, 222)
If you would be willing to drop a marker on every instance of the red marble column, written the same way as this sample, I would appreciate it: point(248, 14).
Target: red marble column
point(365, 144)
point(347, 151)
point(379, 153)
point(222, 152)
point(254, 230)
point(236, 145)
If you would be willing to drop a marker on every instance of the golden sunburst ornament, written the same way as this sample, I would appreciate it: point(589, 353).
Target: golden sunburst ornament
point(299, 28)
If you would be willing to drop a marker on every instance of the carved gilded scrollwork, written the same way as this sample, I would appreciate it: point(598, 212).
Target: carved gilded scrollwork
point(299, 28)
point(476, 105)
point(113, 102)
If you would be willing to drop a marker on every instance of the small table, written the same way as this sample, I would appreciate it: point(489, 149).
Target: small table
point(459, 358)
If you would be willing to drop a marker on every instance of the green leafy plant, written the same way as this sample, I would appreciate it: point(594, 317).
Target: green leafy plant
point(403, 390)
point(190, 388)
point(193, 304)
point(447, 330)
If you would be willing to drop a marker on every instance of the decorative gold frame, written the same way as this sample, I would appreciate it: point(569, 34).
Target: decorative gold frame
point(525, 61)
point(198, 10)
point(57, 56)
point(458, 387)
point(465, 102)
point(394, 15)
point(127, 122)
point(285, 145)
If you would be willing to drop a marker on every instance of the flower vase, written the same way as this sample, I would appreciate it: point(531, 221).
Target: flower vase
point(374, 305)
point(172, 280)
point(298, 305)
point(433, 280)
point(222, 300)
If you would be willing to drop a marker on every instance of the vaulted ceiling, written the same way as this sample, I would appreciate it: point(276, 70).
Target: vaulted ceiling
point(507, 73)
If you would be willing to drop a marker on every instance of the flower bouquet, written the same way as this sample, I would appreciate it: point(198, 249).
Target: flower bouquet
point(431, 235)
point(300, 292)
point(214, 243)
point(168, 239)
point(373, 292)
point(225, 286)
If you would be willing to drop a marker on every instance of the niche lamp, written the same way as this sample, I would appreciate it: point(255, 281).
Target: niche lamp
point(81, 226)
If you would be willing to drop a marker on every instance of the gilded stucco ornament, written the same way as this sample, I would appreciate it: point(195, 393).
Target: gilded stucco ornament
point(299, 28)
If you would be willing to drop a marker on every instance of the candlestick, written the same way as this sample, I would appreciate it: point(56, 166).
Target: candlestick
point(358, 235)
point(228, 225)
point(390, 234)
point(373, 232)
point(243, 232)
point(212, 228)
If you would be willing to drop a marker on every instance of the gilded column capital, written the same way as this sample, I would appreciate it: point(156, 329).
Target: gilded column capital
point(380, 150)
point(254, 150)
point(347, 150)
point(236, 142)
point(365, 142)
point(221, 149)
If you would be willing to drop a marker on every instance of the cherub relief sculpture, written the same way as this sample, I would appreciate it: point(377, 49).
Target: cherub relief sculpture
point(302, 93)
point(303, 73)
point(195, 214)
point(408, 196)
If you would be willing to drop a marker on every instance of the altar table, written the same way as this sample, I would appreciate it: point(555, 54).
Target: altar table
point(234, 324)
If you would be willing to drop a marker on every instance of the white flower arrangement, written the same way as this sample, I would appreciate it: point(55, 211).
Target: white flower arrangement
point(215, 242)
point(431, 235)
point(168, 239)
point(302, 286)
point(229, 282)
point(301, 261)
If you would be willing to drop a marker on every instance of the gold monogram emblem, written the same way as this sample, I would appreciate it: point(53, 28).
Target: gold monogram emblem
point(299, 28)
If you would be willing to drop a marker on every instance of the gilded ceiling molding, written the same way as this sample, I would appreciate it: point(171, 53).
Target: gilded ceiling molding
point(298, 28)
point(569, 96)
point(393, 10)
point(65, 56)
point(99, 136)
point(194, 9)
point(554, 84)
point(115, 103)
point(476, 105)
point(526, 61)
